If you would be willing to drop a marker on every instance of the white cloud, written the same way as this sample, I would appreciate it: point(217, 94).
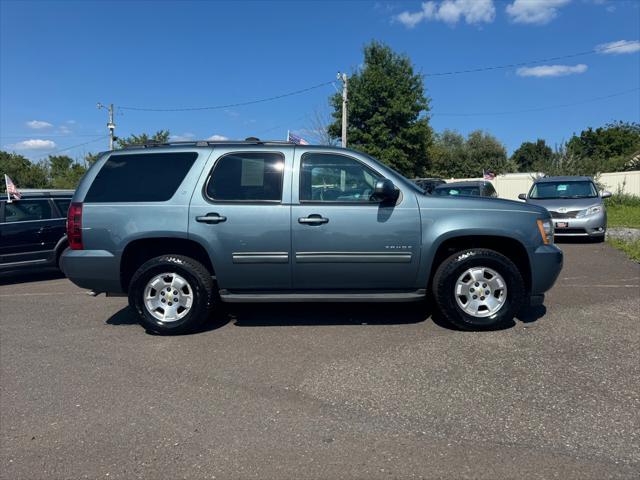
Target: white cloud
point(217, 138)
point(63, 129)
point(551, 70)
point(38, 124)
point(33, 144)
point(185, 137)
point(451, 12)
point(535, 11)
point(619, 47)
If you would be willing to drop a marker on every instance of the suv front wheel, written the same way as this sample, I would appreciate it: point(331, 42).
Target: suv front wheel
point(478, 289)
point(171, 294)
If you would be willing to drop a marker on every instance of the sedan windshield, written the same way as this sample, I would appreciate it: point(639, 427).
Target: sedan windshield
point(578, 189)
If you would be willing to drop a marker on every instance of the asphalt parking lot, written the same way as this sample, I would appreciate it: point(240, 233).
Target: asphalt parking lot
point(324, 391)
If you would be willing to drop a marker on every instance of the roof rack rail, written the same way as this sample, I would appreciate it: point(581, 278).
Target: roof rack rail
point(207, 143)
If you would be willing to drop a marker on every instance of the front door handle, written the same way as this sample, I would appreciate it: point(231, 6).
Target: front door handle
point(211, 218)
point(314, 219)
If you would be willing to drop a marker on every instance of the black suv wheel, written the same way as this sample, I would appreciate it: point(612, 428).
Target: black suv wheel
point(172, 294)
point(478, 289)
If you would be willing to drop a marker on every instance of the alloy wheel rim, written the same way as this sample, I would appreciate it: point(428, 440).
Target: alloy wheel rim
point(480, 292)
point(168, 297)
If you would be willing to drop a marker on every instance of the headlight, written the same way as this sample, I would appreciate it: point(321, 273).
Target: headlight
point(589, 211)
point(546, 231)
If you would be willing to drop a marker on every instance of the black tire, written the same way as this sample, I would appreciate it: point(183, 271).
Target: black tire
point(449, 271)
point(194, 273)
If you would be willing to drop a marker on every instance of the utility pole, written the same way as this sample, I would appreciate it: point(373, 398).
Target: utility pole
point(343, 78)
point(111, 126)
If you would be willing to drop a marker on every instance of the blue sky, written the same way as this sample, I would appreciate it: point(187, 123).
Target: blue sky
point(58, 59)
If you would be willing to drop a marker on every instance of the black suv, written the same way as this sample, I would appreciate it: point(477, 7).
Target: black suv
point(32, 229)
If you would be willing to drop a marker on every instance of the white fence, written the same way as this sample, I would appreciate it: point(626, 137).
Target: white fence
point(512, 184)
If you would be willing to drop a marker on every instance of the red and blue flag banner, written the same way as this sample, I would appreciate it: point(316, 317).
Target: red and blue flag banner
point(296, 139)
point(12, 191)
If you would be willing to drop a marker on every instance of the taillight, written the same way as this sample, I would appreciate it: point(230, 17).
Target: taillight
point(74, 226)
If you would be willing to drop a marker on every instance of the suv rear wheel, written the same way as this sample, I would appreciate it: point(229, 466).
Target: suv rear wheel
point(478, 289)
point(172, 294)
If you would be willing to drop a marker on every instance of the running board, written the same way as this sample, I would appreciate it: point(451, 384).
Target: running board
point(275, 297)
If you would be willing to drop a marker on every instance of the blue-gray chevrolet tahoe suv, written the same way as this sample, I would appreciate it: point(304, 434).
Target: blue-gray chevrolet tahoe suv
point(181, 227)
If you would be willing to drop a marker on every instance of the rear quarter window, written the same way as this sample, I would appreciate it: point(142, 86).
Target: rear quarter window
point(63, 206)
point(142, 177)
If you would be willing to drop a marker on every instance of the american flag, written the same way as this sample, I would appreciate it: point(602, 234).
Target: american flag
point(488, 175)
point(12, 191)
point(296, 139)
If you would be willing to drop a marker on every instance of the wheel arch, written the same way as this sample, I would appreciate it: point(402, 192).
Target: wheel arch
point(510, 247)
point(139, 251)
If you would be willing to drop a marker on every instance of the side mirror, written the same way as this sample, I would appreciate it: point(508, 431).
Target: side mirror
point(605, 194)
point(385, 191)
point(522, 196)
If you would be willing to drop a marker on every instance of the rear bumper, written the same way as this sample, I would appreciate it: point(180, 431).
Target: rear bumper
point(546, 264)
point(96, 270)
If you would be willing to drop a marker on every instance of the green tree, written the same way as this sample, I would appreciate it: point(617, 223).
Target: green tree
point(448, 155)
point(454, 156)
point(532, 156)
point(24, 173)
point(64, 172)
point(387, 111)
point(161, 136)
point(608, 148)
point(486, 153)
point(91, 158)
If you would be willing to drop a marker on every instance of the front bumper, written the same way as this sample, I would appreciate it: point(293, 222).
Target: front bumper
point(591, 226)
point(97, 270)
point(546, 264)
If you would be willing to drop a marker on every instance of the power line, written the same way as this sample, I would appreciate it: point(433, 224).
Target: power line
point(522, 64)
point(230, 105)
point(320, 85)
point(535, 109)
point(60, 150)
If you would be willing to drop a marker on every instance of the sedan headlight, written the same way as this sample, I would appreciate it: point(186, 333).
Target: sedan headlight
point(592, 210)
point(546, 230)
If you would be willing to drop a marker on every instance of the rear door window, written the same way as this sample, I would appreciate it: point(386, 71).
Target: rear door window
point(27, 210)
point(142, 177)
point(247, 177)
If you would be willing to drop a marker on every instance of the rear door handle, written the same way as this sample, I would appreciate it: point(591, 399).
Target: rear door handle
point(211, 218)
point(313, 219)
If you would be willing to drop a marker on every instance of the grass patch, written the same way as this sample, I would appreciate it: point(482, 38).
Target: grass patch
point(623, 216)
point(623, 210)
point(630, 247)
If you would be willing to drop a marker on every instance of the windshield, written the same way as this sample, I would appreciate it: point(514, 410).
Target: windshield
point(465, 191)
point(578, 189)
